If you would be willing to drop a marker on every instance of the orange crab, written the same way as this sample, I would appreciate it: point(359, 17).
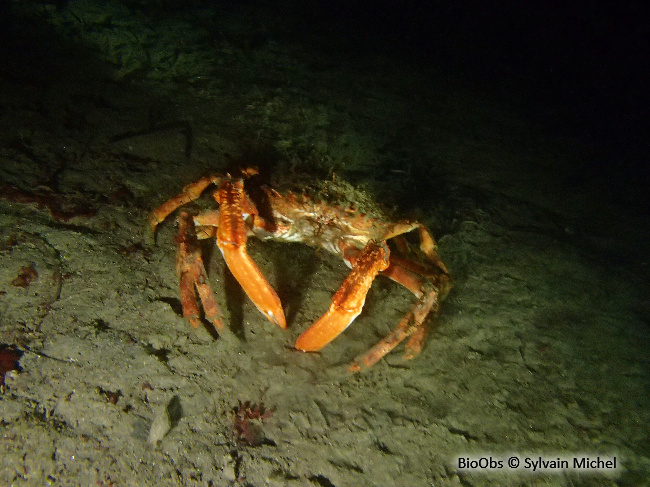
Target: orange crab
point(358, 239)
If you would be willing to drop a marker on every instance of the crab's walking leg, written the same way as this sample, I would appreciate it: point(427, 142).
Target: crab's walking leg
point(231, 240)
point(430, 291)
point(430, 248)
point(190, 193)
point(412, 324)
point(348, 300)
point(192, 276)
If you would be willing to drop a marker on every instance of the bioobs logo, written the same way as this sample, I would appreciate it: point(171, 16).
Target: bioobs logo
point(482, 463)
point(578, 463)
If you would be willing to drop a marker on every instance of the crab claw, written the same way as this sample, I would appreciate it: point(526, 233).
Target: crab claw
point(326, 328)
point(253, 282)
point(348, 300)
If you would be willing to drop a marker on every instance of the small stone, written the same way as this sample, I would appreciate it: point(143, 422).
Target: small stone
point(160, 426)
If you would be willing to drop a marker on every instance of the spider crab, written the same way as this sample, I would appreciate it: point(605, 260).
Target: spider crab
point(358, 239)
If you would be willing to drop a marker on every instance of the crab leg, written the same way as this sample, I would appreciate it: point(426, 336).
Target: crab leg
point(430, 291)
point(231, 240)
point(430, 248)
point(192, 276)
point(412, 324)
point(348, 300)
point(190, 193)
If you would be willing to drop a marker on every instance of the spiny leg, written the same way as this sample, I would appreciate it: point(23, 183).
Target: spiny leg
point(193, 277)
point(430, 248)
point(412, 324)
point(190, 193)
point(428, 245)
point(423, 282)
point(430, 286)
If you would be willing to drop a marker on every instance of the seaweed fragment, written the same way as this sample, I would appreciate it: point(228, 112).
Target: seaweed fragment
point(25, 276)
point(248, 418)
point(9, 357)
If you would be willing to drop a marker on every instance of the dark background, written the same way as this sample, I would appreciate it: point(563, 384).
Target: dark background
point(578, 69)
